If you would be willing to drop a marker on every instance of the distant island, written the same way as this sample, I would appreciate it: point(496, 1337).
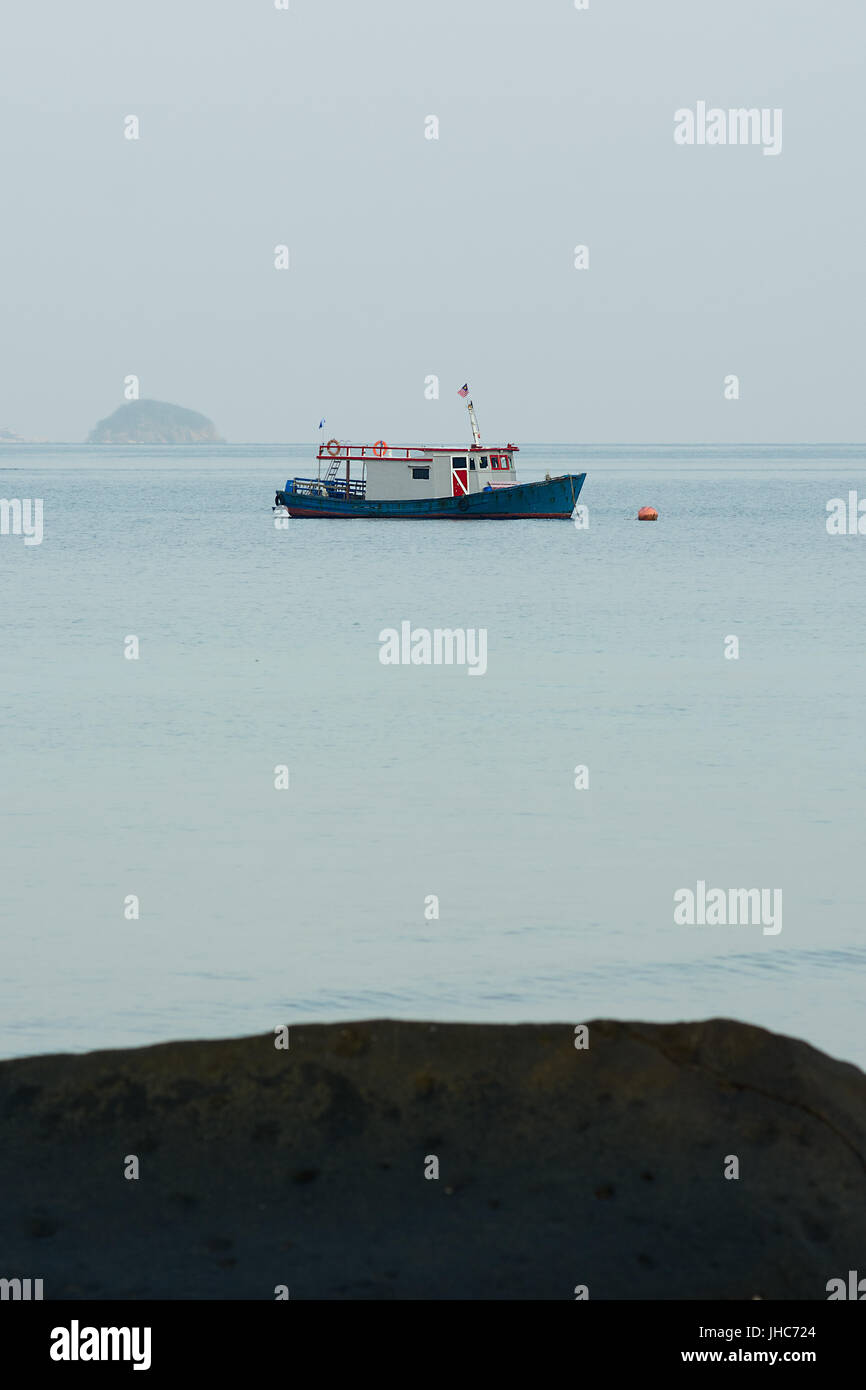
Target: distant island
point(154, 422)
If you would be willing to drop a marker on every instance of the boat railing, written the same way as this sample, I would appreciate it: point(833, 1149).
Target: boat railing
point(358, 452)
point(329, 487)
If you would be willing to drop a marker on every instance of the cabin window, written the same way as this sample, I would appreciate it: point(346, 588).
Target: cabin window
point(483, 460)
point(471, 465)
point(504, 461)
point(458, 463)
point(494, 460)
point(420, 472)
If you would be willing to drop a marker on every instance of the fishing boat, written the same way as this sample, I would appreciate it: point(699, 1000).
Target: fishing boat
point(418, 482)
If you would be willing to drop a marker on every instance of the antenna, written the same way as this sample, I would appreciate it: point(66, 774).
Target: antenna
point(476, 434)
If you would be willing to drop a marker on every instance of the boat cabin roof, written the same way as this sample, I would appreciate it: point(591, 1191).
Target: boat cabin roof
point(380, 450)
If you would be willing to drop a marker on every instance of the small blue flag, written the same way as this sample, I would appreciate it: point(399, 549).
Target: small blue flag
point(321, 424)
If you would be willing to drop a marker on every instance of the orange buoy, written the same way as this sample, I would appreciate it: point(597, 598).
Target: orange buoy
point(380, 448)
point(647, 514)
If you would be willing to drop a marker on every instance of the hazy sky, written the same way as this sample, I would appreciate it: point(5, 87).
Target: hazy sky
point(411, 256)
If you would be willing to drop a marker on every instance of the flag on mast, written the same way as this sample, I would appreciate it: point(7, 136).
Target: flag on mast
point(464, 390)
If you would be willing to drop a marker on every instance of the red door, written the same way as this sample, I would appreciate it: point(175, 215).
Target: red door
point(459, 485)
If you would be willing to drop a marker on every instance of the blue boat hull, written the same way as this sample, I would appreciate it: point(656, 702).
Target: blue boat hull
point(549, 499)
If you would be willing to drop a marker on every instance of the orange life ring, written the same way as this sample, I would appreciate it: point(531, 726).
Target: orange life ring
point(380, 448)
point(335, 450)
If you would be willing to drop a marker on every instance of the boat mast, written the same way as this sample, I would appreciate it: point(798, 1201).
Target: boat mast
point(476, 434)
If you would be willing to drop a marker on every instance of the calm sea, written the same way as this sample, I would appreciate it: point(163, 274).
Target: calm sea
point(259, 648)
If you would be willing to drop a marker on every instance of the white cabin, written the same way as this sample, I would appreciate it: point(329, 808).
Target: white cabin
point(399, 472)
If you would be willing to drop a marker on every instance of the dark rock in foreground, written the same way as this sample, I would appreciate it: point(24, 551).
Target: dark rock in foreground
point(154, 422)
point(557, 1166)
